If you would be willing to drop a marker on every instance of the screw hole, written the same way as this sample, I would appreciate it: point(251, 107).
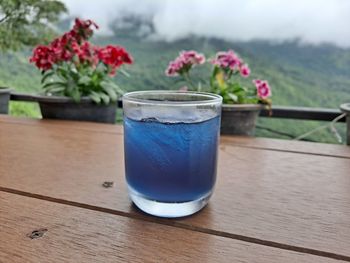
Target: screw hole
point(108, 184)
point(37, 233)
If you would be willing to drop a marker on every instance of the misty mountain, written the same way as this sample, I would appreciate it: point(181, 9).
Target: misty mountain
point(301, 75)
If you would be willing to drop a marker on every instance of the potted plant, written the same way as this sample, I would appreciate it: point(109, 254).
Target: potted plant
point(4, 100)
point(76, 76)
point(242, 102)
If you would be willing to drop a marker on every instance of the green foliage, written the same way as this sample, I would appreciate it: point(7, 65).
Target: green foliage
point(27, 22)
point(76, 82)
point(25, 109)
point(232, 91)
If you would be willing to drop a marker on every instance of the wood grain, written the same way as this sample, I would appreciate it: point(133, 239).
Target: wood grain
point(250, 142)
point(79, 235)
point(270, 197)
point(68, 125)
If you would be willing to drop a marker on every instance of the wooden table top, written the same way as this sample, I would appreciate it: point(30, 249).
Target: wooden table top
point(274, 201)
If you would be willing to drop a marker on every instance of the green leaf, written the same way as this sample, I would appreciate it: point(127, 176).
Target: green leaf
point(76, 96)
point(237, 88)
point(233, 97)
point(95, 97)
point(84, 80)
point(54, 90)
point(70, 87)
point(105, 98)
point(111, 93)
point(226, 98)
point(252, 100)
point(101, 69)
point(56, 83)
point(47, 75)
point(216, 70)
point(125, 73)
point(113, 86)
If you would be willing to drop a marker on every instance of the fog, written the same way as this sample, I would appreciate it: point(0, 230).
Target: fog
point(311, 21)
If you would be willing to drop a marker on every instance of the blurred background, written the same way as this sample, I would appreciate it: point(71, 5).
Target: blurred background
point(301, 47)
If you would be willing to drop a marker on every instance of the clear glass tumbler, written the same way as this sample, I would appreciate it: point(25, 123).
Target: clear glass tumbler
point(170, 143)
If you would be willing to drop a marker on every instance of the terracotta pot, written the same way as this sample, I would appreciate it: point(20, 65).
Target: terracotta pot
point(64, 108)
point(4, 100)
point(239, 119)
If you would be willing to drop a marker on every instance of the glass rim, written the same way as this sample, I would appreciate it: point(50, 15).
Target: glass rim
point(211, 98)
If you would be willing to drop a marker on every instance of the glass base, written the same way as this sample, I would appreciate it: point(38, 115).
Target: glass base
point(169, 210)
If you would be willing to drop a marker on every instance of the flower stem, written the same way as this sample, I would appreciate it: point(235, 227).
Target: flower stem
point(229, 74)
point(188, 79)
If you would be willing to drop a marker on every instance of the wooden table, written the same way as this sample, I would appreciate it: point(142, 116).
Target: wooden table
point(275, 201)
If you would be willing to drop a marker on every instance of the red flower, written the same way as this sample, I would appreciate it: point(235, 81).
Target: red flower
point(61, 47)
point(82, 29)
point(84, 52)
point(113, 56)
point(43, 57)
point(74, 47)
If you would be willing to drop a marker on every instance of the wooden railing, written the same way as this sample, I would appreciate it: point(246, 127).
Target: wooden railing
point(304, 113)
point(298, 113)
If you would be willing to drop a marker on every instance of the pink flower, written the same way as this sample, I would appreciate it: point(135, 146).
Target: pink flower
point(263, 88)
point(227, 60)
point(245, 71)
point(174, 68)
point(192, 57)
point(184, 62)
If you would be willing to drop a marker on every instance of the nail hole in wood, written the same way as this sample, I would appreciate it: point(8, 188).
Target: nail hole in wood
point(37, 233)
point(108, 184)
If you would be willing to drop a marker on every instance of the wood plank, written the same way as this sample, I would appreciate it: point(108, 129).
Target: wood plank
point(251, 142)
point(70, 125)
point(79, 235)
point(274, 198)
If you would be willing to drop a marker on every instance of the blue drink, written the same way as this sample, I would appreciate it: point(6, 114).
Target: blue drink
point(170, 145)
point(171, 162)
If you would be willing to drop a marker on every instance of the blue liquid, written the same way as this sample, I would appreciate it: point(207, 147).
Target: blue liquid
point(171, 162)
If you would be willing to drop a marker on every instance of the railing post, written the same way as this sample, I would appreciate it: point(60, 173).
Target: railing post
point(4, 100)
point(348, 129)
point(346, 109)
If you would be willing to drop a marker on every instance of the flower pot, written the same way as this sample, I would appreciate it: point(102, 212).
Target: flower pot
point(4, 100)
point(239, 119)
point(64, 108)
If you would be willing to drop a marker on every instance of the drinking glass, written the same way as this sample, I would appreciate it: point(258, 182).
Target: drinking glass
point(171, 143)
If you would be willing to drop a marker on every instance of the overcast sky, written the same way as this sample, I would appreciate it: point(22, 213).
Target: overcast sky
point(313, 21)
